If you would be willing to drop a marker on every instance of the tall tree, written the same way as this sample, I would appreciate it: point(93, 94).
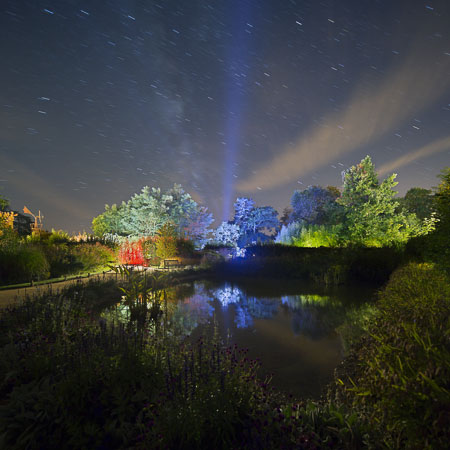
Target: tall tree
point(370, 208)
point(252, 220)
point(197, 228)
point(263, 217)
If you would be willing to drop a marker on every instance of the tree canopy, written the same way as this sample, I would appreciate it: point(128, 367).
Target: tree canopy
point(418, 201)
point(252, 220)
point(315, 205)
point(147, 212)
point(371, 214)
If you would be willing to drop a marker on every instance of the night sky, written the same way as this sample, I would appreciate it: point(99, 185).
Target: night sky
point(228, 98)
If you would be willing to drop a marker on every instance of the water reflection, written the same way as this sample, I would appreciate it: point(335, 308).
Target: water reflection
point(293, 334)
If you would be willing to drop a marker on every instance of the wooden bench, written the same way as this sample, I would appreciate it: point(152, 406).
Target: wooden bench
point(171, 263)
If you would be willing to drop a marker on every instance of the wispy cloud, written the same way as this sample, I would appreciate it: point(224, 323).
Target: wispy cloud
point(411, 87)
point(422, 152)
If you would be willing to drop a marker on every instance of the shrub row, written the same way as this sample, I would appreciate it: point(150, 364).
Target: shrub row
point(325, 265)
point(24, 262)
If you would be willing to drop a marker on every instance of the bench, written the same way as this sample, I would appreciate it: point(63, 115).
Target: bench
point(171, 263)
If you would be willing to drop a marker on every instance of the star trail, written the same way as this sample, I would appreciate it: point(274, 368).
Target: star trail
point(227, 98)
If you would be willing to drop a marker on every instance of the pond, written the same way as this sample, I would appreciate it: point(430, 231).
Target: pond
point(291, 327)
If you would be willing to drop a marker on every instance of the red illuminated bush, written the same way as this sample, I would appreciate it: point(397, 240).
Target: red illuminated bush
point(131, 253)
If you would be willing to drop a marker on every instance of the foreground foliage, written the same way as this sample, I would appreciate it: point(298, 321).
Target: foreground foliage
point(398, 376)
point(70, 378)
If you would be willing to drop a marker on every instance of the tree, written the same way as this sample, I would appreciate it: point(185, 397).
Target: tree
point(166, 243)
point(285, 219)
point(418, 201)
point(243, 207)
point(263, 217)
point(252, 220)
point(370, 209)
point(227, 234)
point(110, 221)
point(197, 229)
point(145, 213)
point(315, 205)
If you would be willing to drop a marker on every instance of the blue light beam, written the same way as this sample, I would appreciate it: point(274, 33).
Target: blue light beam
point(235, 95)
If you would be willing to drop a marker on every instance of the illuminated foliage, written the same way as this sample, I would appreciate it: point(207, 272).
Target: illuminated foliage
point(227, 234)
point(252, 220)
point(166, 243)
point(262, 217)
point(319, 236)
point(7, 219)
point(196, 228)
point(131, 252)
point(289, 232)
point(145, 213)
point(243, 207)
point(371, 213)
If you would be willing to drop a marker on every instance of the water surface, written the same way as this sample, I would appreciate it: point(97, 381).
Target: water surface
point(290, 326)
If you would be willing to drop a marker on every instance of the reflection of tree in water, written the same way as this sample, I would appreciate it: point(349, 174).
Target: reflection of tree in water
point(191, 305)
point(262, 308)
point(228, 295)
point(314, 316)
point(243, 318)
point(246, 308)
point(191, 312)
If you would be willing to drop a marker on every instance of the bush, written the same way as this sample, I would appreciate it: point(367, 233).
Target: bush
point(58, 237)
point(90, 257)
point(319, 236)
point(289, 232)
point(60, 258)
point(131, 253)
point(397, 377)
point(23, 263)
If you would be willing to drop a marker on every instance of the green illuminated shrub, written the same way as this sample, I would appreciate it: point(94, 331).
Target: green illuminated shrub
point(89, 257)
point(319, 236)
